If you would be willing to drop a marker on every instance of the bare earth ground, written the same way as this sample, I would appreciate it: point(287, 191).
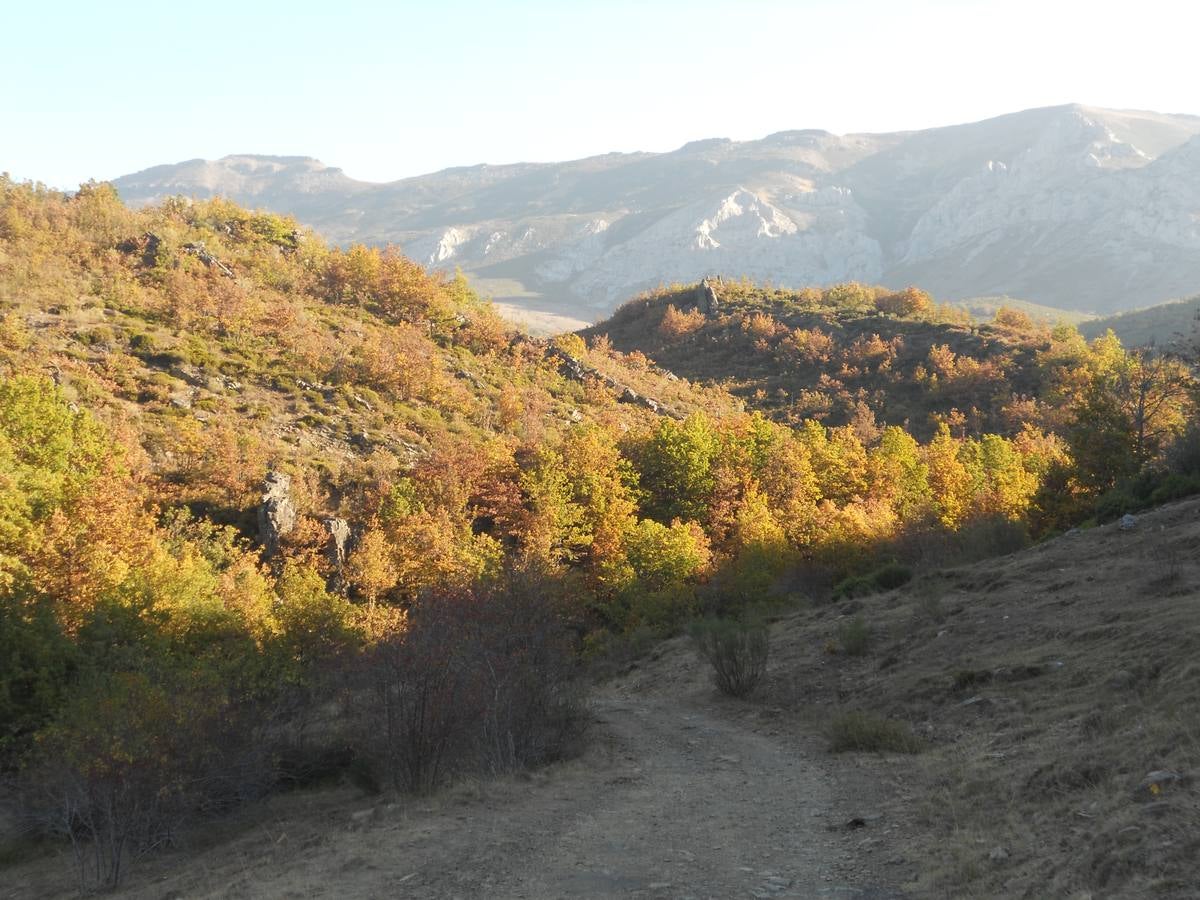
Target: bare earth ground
point(681, 794)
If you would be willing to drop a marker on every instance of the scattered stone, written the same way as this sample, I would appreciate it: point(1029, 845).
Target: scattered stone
point(1121, 680)
point(363, 816)
point(1128, 522)
point(998, 855)
point(181, 399)
point(1157, 783)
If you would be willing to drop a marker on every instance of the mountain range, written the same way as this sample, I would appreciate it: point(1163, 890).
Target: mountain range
point(1073, 207)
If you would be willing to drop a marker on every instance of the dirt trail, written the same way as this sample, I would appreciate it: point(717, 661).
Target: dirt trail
point(681, 794)
point(694, 807)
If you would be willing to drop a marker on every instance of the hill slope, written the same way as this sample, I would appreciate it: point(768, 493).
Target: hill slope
point(1072, 207)
point(1165, 325)
point(1047, 686)
point(834, 356)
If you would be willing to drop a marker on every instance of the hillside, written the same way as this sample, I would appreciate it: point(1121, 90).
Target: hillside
point(1052, 691)
point(851, 354)
point(276, 515)
point(1073, 207)
point(1168, 325)
point(984, 309)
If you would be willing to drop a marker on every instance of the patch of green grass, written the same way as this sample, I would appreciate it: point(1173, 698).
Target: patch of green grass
point(861, 731)
point(854, 637)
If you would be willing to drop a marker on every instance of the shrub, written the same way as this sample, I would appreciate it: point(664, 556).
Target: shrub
point(131, 756)
point(736, 650)
point(892, 576)
point(857, 730)
point(885, 578)
point(474, 680)
point(855, 637)
point(1175, 487)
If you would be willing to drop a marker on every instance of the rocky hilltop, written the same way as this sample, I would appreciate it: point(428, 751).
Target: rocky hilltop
point(1069, 206)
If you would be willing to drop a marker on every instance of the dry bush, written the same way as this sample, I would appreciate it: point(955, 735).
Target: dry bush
point(676, 324)
point(476, 681)
point(736, 650)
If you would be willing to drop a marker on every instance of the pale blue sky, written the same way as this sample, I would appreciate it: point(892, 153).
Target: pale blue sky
point(384, 90)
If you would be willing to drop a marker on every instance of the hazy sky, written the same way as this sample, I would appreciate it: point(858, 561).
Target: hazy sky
point(385, 90)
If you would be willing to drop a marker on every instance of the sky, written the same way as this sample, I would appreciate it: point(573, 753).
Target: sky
point(386, 90)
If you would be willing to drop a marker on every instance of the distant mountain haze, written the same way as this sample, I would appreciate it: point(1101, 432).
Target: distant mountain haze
point(1072, 206)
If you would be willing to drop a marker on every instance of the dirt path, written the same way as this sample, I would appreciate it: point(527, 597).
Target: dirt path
point(694, 807)
point(681, 794)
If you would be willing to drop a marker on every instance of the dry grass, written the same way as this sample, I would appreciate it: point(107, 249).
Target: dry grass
point(1048, 684)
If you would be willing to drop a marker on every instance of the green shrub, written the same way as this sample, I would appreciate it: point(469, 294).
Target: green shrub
point(1175, 487)
point(892, 576)
point(857, 730)
point(736, 650)
point(141, 343)
point(854, 636)
point(885, 578)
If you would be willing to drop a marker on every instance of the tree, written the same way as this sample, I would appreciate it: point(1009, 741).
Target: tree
point(907, 302)
point(676, 466)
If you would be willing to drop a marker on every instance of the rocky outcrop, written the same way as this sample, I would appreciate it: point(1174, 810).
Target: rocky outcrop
point(198, 250)
point(574, 369)
point(339, 546)
point(276, 512)
point(706, 298)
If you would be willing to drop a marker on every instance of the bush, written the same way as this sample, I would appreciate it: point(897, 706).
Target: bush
point(892, 576)
point(855, 637)
point(856, 730)
point(736, 650)
point(886, 578)
point(1175, 487)
point(131, 756)
point(474, 681)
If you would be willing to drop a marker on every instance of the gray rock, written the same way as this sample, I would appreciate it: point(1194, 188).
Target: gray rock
point(1121, 680)
point(998, 855)
point(182, 399)
point(276, 511)
point(1157, 783)
point(339, 546)
point(1128, 522)
point(706, 298)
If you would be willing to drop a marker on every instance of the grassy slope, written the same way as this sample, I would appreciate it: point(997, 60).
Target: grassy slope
point(983, 309)
point(1163, 325)
point(1049, 683)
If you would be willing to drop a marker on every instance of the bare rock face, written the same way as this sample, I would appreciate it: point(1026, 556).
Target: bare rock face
point(276, 512)
point(339, 546)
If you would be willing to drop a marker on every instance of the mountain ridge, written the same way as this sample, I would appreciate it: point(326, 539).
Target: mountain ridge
point(1071, 206)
